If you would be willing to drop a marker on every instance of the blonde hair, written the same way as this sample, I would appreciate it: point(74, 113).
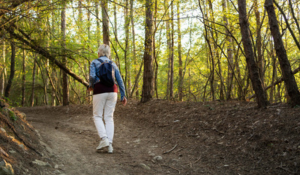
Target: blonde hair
point(104, 50)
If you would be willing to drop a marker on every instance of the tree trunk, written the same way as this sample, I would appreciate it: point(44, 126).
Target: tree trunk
point(2, 82)
point(12, 69)
point(46, 82)
point(229, 53)
point(65, 76)
point(154, 50)
point(133, 45)
point(148, 68)
point(105, 22)
point(252, 67)
point(127, 69)
point(33, 83)
point(172, 52)
point(180, 84)
point(23, 78)
point(260, 61)
point(54, 93)
point(116, 37)
point(169, 47)
point(286, 70)
point(97, 23)
point(274, 74)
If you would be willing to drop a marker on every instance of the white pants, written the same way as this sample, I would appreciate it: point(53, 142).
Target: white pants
point(106, 102)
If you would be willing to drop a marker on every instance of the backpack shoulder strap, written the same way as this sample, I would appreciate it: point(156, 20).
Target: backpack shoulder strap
point(101, 61)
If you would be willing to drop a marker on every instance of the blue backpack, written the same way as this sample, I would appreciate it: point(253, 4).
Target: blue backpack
point(106, 73)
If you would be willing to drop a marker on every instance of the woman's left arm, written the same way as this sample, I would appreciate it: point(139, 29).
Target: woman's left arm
point(92, 74)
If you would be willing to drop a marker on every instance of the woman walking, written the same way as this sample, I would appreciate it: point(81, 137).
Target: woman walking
point(105, 94)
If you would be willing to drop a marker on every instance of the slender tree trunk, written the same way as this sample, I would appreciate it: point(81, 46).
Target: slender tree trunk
point(33, 83)
point(86, 64)
point(154, 50)
point(215, 55)
point(127, 22)
point(229, 53)
point(221, 77)
point(180, 84)
point(115, 22)
point(46, 82)
point(133, 45)
point(148, 68)
point(53, 74)
point(274, 72)
point(105, 22)
point(260, 61)
point(168, 33)
point(252, 67)
point(23, 78)
point(172, 52)
point(65, 76)
point(2, 82)
point(116, 35)
point(240, 93)
point(285, 66)
point(54, 93)
point(12, 69)
point(156, 59)
point(47, 65)
point(97, 23)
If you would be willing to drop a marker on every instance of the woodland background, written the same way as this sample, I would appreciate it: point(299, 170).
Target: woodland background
point(177, 50)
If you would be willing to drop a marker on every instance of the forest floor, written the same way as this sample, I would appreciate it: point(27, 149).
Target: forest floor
point(161, 137)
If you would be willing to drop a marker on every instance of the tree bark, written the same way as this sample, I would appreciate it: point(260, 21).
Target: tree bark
point(33, 83)
point(46, 81)
point(127, 69)
point(286, 70)
point(136, 85)
point(274, 73)
point(12, 69)
point(180, 84)
point(148, 68)
point(172, 52)
point(154, 50)
point(260, 60)
point(64, 59)
point(116, 37)
point(2, 85)
point(252, 67)
point(23, 78)
point(229, 53)
point(105, 22)
point(97, 23)
point(169, 47)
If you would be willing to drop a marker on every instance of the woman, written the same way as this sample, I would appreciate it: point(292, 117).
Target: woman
point(105, 98)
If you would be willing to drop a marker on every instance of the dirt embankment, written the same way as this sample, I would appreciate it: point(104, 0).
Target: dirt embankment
point(21, 148)
point(160, 137)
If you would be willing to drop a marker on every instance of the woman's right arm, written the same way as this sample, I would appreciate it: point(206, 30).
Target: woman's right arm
point(120, 82)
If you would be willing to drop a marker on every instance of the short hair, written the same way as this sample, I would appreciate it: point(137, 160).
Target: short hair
point(104, 50)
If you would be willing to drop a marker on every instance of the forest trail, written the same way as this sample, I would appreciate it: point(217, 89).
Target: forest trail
point(72, 139)
point(197, 138)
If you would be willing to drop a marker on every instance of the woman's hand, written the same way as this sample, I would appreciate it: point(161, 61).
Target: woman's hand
point(124, 101)
point(90, 89)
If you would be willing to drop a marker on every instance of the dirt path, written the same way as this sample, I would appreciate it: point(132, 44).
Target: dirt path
point(72, 139)
point(212, 138)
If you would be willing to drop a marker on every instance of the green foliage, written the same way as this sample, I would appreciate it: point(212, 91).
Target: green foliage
point(12, 115)
point(42, 23)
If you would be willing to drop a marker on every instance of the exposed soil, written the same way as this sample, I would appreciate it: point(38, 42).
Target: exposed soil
point(192, 138)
